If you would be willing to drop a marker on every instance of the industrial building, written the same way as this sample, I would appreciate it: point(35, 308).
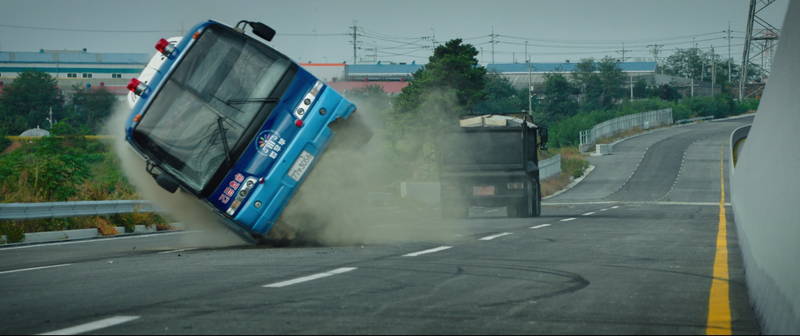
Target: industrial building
point(113, 70)
point(75, 67)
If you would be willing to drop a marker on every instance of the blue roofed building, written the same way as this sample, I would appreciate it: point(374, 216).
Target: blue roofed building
point(75, 67)
point(381, 71)
point(518, 74)
point(521, 73)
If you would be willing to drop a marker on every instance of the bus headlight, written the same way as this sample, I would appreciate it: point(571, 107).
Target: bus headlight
point(247, 187)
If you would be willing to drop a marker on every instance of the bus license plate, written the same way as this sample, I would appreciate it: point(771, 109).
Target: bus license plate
point(301, 165)
point(483, 190)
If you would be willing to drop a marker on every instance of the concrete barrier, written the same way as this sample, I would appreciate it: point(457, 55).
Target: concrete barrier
point(603, 149)
point(766, 191)
point(41, 237)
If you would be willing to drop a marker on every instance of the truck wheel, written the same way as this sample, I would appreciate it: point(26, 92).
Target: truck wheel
point(531, 206)
point(536, 198)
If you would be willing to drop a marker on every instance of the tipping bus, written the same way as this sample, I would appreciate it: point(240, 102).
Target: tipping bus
point(221, 115)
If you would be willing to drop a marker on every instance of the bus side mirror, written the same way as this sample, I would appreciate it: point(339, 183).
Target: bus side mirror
point(543, 138)
point(167, 182)
point(263, 31)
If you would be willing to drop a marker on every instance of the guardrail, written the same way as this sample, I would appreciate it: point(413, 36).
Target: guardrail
point(72, 209)
point(686, 121)
point(614, 126)
point(550, 167)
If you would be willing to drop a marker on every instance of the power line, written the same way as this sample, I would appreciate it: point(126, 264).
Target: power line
point(86, 30)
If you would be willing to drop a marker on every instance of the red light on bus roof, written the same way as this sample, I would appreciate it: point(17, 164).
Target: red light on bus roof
point(161, 44)
point(164, 47)
point(298, 123)
point(136, 86)
point(133, 84)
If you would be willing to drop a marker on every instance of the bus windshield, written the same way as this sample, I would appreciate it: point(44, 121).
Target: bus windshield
point(221, 85)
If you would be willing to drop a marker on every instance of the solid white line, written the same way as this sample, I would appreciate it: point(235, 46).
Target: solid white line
point(33, 268)
point(95, 240)
point(588, 213)
point(495, 236)
point(310, 277)
point(178, 250)
point(91, 326)
point(433, 250)
point(540, 226)
point(568, 219)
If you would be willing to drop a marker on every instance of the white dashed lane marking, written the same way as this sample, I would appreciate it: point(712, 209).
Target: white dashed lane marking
point(568, 219)
point(588, 213)
point(310, 277)
point(176, 251)
point(33, 268)
point(539, 226)
point(433, 250)
point(496, 236)
point(92, 326)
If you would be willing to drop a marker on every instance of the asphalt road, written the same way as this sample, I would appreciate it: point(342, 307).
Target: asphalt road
point(630, 250)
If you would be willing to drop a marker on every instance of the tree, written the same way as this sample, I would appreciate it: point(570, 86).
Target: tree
point(601, 83)
point(501, 97)
point(90, 107)
point(667, 92)
point(558, 101)
point(453, 66)
point(612, 82)
point(694, 63)
point(640, 89)
point(26, 102)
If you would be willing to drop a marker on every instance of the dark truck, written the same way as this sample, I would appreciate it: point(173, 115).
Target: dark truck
point(491, 164)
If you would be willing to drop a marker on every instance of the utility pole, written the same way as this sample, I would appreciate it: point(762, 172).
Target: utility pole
point(623, 52)
point(729, 52)
point(530, 82)
point(493, 42)
point(655, 48)
point(355, 41)
point(631, 77)
point(713, 70)
point(50, 119)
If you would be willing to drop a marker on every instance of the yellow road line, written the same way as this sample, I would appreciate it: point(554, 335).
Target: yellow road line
point(719, 307)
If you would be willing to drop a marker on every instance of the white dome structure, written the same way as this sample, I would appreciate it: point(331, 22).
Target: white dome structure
point(35, 132)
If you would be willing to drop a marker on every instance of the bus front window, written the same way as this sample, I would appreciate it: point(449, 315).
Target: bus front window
point(208, 102)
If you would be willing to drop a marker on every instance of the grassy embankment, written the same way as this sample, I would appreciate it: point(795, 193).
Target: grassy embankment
point(65, 169)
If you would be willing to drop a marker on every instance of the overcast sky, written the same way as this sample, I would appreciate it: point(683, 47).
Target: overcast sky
point(401, 31)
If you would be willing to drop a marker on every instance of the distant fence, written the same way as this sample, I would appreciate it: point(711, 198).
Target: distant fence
point(72, 209)
point(614, 126)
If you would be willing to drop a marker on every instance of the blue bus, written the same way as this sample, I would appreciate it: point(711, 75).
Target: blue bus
point(223, 116)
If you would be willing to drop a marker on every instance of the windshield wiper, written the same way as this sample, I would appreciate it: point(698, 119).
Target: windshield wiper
point(221, 130)
point(253, 100)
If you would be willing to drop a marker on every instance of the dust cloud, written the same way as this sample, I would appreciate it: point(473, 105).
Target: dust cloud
point(343, 199)
point(180, 206)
